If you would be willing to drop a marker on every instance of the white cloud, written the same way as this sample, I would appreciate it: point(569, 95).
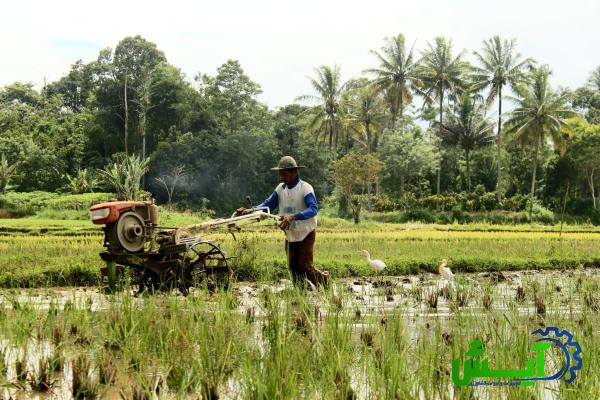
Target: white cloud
point(279, 43)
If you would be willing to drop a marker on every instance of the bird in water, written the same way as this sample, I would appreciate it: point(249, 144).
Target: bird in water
point(377, 265)
point(444, 271)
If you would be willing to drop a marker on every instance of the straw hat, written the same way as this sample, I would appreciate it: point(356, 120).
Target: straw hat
point(286, 162)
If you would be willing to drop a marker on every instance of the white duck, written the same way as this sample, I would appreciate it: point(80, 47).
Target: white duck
point(444, 271)
point(377, 265)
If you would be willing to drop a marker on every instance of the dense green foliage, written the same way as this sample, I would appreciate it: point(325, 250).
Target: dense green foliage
point(427, 114)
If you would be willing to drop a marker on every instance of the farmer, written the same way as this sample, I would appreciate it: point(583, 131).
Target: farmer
point(297, 204)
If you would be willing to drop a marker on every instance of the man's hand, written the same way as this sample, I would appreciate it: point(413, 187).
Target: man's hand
point(243, 211)
point(286, 221)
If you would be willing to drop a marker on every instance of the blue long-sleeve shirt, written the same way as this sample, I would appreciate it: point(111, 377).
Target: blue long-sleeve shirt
point(311, 204)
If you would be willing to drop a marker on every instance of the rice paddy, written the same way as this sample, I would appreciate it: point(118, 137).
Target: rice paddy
point(36, 253)
point(368, 337)
point(364, 338)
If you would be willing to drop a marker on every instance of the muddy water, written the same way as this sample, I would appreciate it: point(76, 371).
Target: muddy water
point(379, 294)
point(421, 299)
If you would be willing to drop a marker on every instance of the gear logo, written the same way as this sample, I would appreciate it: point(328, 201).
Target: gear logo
point(570, 348)
point(557, 356)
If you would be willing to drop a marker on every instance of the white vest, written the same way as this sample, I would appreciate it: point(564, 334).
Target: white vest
point(291, 201)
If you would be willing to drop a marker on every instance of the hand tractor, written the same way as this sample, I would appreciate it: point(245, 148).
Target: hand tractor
point(164, 258)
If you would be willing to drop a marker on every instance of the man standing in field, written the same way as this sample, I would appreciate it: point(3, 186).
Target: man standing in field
point(297, 204)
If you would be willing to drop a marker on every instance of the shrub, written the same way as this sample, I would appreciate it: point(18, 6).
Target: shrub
point(515, 203)
point(124, 176)
point(539, 213)
point(488, 201)
point(459, 215)
point(29, 203)
point(78, 202)
point(595, 216)
point(419, 215)
point(383, 203)
point(26, 203)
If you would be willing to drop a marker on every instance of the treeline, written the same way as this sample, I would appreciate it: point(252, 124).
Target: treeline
point(430, 122)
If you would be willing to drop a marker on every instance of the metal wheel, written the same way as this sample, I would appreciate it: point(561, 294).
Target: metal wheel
point(148, 282)
point(131, 231)
point(207, 267)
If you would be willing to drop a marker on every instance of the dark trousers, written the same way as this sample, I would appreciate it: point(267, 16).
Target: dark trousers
point(300, 262)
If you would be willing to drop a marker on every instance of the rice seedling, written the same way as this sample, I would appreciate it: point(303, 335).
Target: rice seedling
point(56, 360)
point(3, 369)
point(367, 337)
point(82, 385)
point(417, 293)
point(487, 298)
point(40, 377)
point(21, 370)
point(57, 335)
point(432, 298)
point(148, 384)
point(540, 305)
point(592, 301)
point(463, 295)
point(250, 315)
point(447, 292)
point(107, 368)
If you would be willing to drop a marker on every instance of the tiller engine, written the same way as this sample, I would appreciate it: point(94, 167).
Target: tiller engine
point(164, 258)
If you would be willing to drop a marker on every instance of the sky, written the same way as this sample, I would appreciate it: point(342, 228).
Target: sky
point(279, 43)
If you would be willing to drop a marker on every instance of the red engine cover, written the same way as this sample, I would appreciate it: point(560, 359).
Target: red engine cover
point(116, 208)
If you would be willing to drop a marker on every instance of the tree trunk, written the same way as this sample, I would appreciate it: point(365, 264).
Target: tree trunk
point(393, 111)
point(335, 134)
point(331, 133)
point(400, 112)
point(356, 213)
point(143, 132)
point(535, 159)
point(439, 171)
point(564, 208)
point(355, 208)
point(126, 118)
point(499, 145)
point(467, 156)
point(590, 179)
point(144, 141)
point(402, 184)
point(143, 108)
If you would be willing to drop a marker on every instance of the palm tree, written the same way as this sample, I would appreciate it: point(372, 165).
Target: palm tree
point(540, 115)
point(324, 118)
point(441, 72)
point(7, 171)
point(594, 81)
point(468, 128)
point(500, 65)
point(397, 74)
point(364, 113)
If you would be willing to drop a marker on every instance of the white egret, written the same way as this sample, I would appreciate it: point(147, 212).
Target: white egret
point(377, 265)
point(444, 271)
